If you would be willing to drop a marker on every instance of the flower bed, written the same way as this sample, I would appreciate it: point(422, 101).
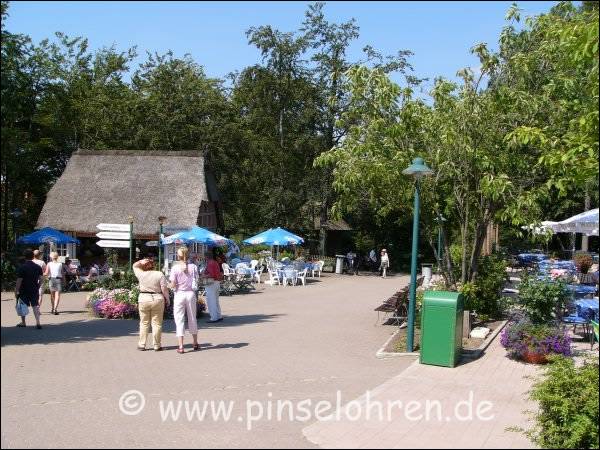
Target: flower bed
point(533, 343)
point(113, 303)
point(123, 304)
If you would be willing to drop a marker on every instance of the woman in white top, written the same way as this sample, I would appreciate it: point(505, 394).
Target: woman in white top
point(184, 281)
point(385, 263)
point(56, 278)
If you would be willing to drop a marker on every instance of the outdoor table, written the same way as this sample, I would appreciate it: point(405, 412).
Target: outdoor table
point(580, 290)
point(585, 304)
point(548, 264)
point(282, 272)
point(530, 258)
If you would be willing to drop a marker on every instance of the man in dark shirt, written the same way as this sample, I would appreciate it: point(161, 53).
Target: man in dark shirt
point(27, 289)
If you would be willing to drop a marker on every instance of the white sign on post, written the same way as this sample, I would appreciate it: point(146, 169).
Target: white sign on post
point(113, 227)
point(112, 244)
point(112, 235)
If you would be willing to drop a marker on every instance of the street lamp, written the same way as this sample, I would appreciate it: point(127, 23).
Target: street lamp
point(440, 219)
point(417, 170)
point(161, 221)
point(16, 215)
point(130, 218)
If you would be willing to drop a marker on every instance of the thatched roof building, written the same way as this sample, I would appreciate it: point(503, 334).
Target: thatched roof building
point(109, 186)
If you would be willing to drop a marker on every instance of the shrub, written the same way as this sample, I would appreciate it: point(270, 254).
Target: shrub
point(583, 262)
point(568, 405)
point(484, 295)
point(542, 300)
point(9, 274)
point(523, 336)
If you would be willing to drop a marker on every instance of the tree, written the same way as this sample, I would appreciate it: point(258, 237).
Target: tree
point(491, 159)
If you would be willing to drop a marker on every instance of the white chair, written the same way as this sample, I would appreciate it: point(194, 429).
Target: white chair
point(317, 268)
point(273, 278)
point(253, 264)
point(302, 276)
point(228, 274)
point(290, 275)
point(241, 266)
point(257, 273)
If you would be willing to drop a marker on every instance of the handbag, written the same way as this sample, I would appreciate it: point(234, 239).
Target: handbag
point(22, 308)
point(195, 283)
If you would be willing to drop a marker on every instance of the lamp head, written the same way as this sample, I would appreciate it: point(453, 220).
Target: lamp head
point(418, 169)
point(162, 219)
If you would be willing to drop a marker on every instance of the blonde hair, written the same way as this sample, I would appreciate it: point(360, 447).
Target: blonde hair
point(54, 256)
point(182, 255)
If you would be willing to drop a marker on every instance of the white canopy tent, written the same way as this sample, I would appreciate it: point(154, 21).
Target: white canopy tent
point(585, 223)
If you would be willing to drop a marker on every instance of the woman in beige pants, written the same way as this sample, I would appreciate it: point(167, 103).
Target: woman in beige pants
point(153, 298)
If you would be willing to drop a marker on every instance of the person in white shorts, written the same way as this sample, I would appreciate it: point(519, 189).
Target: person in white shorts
point(55, 272)
point(40, 262)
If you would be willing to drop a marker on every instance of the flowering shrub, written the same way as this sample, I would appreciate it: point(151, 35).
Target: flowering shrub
point(123, 304)
point(523, 336)
point(114, 303)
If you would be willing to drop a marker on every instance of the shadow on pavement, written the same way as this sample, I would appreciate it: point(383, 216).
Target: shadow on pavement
point(236, 321)
point(68, 332)
point(104, 329)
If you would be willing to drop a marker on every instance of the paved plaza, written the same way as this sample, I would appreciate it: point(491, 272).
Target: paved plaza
point(61, 386)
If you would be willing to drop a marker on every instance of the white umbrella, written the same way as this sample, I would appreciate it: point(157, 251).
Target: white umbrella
point(586, 223)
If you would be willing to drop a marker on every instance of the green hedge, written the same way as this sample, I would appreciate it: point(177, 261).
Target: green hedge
point(568, 405)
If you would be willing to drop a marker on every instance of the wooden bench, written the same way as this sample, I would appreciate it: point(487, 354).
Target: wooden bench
point(396, 307)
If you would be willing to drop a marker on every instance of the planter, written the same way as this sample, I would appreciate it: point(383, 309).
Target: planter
point(534, 358)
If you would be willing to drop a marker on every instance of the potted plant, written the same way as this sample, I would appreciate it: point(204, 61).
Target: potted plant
point(583, 262)
point(533, 343)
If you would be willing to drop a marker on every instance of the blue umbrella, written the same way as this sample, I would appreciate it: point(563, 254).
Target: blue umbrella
point(196, 235)
point(274, 236)
point(47, 235)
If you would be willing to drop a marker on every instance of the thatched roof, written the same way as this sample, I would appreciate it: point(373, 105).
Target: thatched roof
point(108, 186)
point(332, 225)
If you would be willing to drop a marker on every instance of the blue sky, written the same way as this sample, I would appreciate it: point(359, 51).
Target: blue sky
point(439, 33)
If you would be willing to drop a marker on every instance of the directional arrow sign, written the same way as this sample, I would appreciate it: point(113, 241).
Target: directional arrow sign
point(113, 226)
point(113, 244)
point(112, 235)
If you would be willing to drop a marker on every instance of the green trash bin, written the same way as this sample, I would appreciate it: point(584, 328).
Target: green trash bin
point(441, 328)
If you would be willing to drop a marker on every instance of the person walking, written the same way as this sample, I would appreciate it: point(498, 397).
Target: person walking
point(56, 273)
point(213, 276)
point(184, 280)
point(373, 260)
point(152, 301)
point(27, 288)
point(385, 263)
point(37, 258)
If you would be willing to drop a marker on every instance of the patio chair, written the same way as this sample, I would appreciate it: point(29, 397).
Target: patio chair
point(253, 264)
point(317, 268)
point(273, 278)
point(290, 275)
point(302, 276)
point(227, 285)
point(73, 283)
point(594, 333)
point(575, 317)
point(257, 273)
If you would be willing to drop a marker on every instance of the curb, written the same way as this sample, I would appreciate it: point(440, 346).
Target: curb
point(469, 355)
point(382, 354)
point(479, 351)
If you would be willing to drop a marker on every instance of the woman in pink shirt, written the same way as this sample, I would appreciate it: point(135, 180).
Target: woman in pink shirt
point(213, 276)
point(183, 277)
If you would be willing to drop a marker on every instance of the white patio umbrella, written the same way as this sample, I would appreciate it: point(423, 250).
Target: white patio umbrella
point(585, 223)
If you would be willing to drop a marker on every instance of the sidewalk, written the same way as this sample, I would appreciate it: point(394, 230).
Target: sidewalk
point(493, 378)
